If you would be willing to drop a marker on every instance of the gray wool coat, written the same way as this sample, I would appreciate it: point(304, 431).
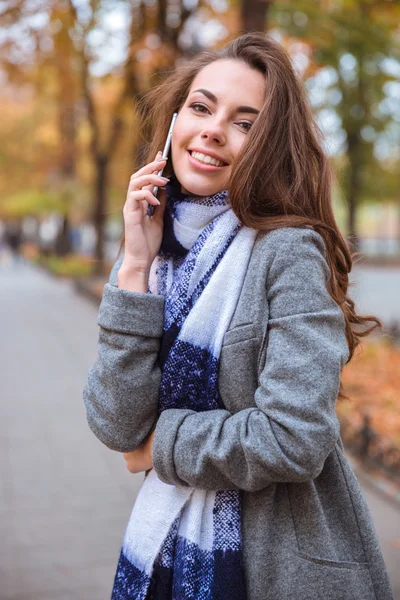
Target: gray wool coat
point(307, 530)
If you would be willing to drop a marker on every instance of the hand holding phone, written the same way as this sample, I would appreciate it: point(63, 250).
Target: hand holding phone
point(151, 208)
point(143, 235)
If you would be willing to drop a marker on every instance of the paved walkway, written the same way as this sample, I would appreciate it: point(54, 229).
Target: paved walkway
point(376, 291)
point(65, 498)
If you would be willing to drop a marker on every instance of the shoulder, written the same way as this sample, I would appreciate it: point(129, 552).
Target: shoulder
point(295, 254)
point(297, 274)
point(289, 239)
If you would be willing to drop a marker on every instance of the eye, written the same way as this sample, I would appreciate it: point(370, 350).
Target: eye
point(247, 125)
point(196, 106)
point(201, 108)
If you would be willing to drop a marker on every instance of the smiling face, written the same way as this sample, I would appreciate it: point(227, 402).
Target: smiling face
point(223, 102)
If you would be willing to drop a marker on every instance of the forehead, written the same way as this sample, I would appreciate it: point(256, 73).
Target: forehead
point(232, 81)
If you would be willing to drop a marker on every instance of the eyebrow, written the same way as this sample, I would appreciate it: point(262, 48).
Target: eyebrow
point(241, 109)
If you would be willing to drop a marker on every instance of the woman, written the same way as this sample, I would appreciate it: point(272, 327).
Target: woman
point(223, 332)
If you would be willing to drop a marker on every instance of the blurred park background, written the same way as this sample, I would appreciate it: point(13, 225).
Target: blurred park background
point(71, 75)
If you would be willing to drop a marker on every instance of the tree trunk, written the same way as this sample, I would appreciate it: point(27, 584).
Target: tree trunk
point(99, 217)
point(352, 214)
point(67, 128)
point(254, 15)
point(63, 241)
point(353, 189)
point(64, 53)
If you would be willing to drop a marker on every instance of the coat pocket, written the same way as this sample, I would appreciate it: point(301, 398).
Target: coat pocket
point(330, 581)
point(333, 563)
point(240, 333)
point(237, 379)
point(325, 521)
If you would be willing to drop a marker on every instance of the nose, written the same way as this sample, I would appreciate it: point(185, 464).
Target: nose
point(214, 132)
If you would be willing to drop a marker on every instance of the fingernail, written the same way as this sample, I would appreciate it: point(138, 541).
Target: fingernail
point(165, 179)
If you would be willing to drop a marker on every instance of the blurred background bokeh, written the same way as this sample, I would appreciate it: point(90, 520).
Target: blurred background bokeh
point(71, 76)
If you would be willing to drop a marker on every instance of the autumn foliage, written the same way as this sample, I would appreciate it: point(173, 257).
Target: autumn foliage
point(372, 383)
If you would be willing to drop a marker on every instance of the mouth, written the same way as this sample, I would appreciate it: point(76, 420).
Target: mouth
point(205, 161)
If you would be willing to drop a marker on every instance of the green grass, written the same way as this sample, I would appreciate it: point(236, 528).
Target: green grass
point(73, 265)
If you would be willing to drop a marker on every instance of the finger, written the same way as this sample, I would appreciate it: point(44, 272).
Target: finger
point(160, 162)
point(137, 198)
point(136, 179)
point(154, 166)
point(131, 460)
point(131, 467)
point(150, 179)
point(134, 199)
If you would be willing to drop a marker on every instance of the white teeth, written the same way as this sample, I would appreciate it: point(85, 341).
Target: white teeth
point(208, 160)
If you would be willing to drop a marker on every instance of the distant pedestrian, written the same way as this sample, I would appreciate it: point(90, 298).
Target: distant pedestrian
point(223, 332)
point(48, 231)
point(13, 239)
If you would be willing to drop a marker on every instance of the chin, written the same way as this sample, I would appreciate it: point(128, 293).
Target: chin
point(194, 188)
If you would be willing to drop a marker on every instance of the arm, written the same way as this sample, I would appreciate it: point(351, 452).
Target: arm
point(121, 393)
point(293, 428)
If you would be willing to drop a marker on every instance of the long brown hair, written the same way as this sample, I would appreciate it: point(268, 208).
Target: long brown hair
point(281, 177)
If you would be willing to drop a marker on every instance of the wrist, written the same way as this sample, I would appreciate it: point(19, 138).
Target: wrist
point(133, 279)
point(131, 265)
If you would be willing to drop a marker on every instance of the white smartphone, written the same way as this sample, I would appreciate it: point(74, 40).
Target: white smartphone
point(151, 208)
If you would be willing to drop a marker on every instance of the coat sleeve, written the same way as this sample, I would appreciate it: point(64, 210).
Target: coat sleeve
point(293, 427)
point(121, 392)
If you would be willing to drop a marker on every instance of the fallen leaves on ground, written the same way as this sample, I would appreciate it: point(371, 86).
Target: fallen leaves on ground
point(372, 382)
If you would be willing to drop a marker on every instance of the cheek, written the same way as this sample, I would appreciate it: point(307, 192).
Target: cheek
point(180, 131)
point(187, 129)
point(177, 144)
point(238, 142)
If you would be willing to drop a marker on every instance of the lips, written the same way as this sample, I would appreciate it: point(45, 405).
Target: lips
point(208, 153)
point(205, 167)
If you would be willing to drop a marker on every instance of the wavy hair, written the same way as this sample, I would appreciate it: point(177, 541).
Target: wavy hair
point(282, 176)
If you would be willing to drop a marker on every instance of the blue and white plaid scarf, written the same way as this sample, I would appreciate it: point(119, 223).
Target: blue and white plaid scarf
point(183, 543)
